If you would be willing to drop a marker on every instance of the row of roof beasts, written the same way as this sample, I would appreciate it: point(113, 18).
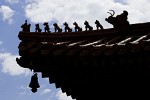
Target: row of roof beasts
point(26, 27)
point(118, 22)
point(92, 41)
point(135, 29)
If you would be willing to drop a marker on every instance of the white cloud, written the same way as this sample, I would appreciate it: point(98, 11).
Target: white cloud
point(139, 10)
point(45, 91)
point(10, 66)
point(7, 13)
point(63, 96)
point(81, 10)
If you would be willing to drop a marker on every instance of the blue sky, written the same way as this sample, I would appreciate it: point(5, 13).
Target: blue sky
point(14, 80)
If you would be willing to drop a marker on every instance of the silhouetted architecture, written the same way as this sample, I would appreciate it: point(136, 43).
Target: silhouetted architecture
point(119, 22)
point(25, 27)
point(87, 26)
point(67, 28)
point(77, 28)
point(98, 25)
point(91, 65)
point(37, 28)
point(47, 29)
point(34, 83)
point(57, 28)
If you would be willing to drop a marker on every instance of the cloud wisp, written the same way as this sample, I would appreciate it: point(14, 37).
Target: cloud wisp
point(10, 66)
point(45, 91)
point(7, 13)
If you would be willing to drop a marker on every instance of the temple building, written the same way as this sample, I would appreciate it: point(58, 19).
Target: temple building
point(93, 64)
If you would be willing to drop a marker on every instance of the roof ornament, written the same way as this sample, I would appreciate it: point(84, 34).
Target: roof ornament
point(112, 14)
point(98, 25)
point(77, 28)
point(57, 28)
point(25, 27)
point(67, 28)
point(37, 28)
point(34, 83)
point(47, 29)
point(120, 22)
point(87, 26)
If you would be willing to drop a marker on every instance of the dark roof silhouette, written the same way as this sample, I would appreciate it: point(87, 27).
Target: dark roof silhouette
point(91, 64)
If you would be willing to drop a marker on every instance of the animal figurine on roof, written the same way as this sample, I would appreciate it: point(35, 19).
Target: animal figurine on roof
point(67, 28)
point(87, 26)
point(37, 28)
point(119, 22)
point(77, 28)
point(57, 28)
point(26, 27)
point(47, 29)
point(98, 25)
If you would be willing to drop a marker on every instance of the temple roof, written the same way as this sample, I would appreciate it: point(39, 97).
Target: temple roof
point(76, 60)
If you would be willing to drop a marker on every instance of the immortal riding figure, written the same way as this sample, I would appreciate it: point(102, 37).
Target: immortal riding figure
point(26, 27)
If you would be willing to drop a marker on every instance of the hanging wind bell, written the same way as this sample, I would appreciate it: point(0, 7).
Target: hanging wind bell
point(34, 83)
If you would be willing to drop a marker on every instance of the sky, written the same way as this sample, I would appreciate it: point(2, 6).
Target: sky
point(14, 80)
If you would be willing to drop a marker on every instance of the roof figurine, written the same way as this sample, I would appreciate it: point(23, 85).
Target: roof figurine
point(67, 28)
point(57, 28)
point(26, 27)
point(98, 25)
point(87, 26)
point(37, 28)
point(120, 22)
point(47, 29)
point(77, 28)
